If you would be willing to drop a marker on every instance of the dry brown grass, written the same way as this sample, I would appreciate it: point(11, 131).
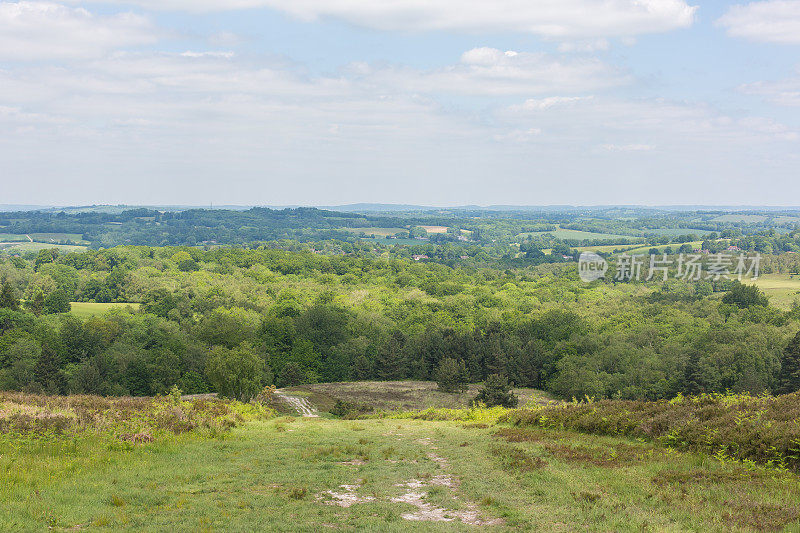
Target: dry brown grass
point(400, 395)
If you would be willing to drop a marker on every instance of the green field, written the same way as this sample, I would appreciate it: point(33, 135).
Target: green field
point(13, 237)
point(562, 233)
point(782, 289)
point(87, 309)
point(386, 474)
point(377, 232)
point(673, 232)
point(646, 249)
point(740, 218)
point(390, 242)
point(36, 246)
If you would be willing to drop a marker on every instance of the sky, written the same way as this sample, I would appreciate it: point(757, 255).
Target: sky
point(432, 102)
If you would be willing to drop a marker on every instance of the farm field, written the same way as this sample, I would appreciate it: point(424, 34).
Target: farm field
point(607, 249)
point(87, 309)
point(304, 474)
point(435, 229)
point(13, 237)
point(393, 395)
point(36, 246)
point(674, 232)
point(377, 232)
point(646, 249)
point(390, 242)
point(740, 218)
point(562, 233)
point(77, 238)
point(782, 289)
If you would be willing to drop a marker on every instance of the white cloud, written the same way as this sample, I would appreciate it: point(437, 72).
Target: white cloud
point(627, 147)
point(488, 71)
point(785, 92)
point(774, 21)
point(593, 45)
point(44, 30)
point(549, 18)
point(663, 123)
point(550, 101)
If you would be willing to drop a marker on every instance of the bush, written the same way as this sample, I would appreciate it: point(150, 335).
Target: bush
point(346, 409)
point(763, 429)
point(237, 373)
point(496, 392)
point(451, 376)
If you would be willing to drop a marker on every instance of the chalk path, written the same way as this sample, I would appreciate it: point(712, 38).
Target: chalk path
point(300, 404)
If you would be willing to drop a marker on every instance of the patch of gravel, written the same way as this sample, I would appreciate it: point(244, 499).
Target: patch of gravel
point(346, 498)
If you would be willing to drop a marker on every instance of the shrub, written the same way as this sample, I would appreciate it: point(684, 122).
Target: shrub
point(496, 392)
point(346, 409)
point(451, 376)
point(763, 429)
point(237, 373)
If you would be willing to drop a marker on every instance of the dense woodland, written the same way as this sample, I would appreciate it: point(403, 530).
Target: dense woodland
point(234, 320)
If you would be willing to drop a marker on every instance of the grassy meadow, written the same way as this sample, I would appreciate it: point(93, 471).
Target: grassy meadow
point(90, 464)
point(400, 395)
point(89, 309)
point(782, 289)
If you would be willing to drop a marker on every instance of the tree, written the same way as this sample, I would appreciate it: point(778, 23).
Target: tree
point(36, 304)
point(56, 302)
point(451, 376)
point(744, 296)
point(8, 299)
point(293, 374)
point(789, 375)
point(237, 373)
point(391, 362)
point(48, 372)
point(496, 391)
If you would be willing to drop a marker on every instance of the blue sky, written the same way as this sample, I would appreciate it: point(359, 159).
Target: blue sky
point(435, 102)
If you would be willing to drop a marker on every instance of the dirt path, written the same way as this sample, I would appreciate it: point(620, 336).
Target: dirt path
point(29, 238)
point(300, 404)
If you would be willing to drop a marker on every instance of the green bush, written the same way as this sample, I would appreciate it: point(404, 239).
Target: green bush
point(451, 376)
point(763, 429)
point(496, 392)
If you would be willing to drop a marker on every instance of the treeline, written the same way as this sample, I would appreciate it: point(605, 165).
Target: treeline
point(235, 320)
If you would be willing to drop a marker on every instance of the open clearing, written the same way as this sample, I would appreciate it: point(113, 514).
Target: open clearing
point(782, 289)
point(435, 229)
point(313, 474)
point(87, 309)
point(578, 235)
point(36, 246)
point(394, 395)
point(740, 218)
point(377, 232)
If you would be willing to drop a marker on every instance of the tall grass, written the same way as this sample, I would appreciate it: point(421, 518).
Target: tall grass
point(761, 429)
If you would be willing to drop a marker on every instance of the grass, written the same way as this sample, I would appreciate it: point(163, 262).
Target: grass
point(782, 289)
point(36, 246)
point(741, 427)
point(394, 395)
point(89, 309)
point(13, 237)
point(609, 248)
point(290, 474)
point(740, 218)
point(573, 234)
point(376, 232)
point(435, 229)
point(646, 249)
